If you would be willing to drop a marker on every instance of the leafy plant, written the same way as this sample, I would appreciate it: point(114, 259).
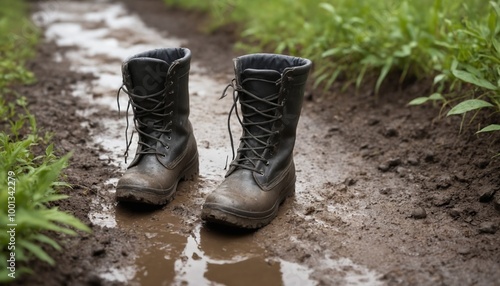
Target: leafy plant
point(18, 38)
point(475, 63)
point(33, 182)
point(28, 183)
point(455, 42)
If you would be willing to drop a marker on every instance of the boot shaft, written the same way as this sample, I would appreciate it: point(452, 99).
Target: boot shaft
point(266, 75)
point(271, 91)
point(147, 74)
point(157, 85)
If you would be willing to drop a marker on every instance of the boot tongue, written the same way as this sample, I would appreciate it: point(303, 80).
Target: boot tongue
point(252, 82)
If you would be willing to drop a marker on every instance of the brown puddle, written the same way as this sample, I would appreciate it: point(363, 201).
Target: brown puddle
point(206, 255)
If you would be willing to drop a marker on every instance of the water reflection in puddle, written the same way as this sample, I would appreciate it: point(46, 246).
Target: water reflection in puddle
point(202, 257)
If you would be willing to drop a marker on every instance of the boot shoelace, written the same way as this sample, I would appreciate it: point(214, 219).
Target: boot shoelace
point(159, 111)
point(251, 155)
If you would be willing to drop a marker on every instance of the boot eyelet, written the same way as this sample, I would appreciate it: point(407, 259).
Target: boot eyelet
point(169, 138)
point(267, 163)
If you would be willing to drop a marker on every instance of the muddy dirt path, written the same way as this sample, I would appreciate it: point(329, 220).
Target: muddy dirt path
point(385, 195)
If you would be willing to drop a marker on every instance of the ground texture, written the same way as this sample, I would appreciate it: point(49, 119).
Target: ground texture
point(396, 189)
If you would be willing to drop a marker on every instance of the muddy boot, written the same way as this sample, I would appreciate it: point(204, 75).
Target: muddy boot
point(157, 84)
point(270, 89)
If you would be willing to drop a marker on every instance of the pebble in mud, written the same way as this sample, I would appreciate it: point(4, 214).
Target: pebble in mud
point(440, 200)
point(401, 171)
point(443, 182)
point(385, 191)
point(461, 177)
point(393, 162)
point(99, 251)
point(430, 157)
point(486, 194)
point(455, 213)
point(391, 132)
point(350, 181)
point(464, 250)
point(488, 227)
point(481, 164)
point(413, 161)
point(418, 213)
point(383, 167)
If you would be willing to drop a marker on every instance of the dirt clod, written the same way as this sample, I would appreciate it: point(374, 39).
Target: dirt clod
point(391, 132)
point(487, 194)
point(418, 213)
point(443, 182)
point(385, 191)
point(441, 199)
point(488, 227)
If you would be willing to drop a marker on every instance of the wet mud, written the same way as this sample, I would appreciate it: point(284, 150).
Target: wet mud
point(381, 198)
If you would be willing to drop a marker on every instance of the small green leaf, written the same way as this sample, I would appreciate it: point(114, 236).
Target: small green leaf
point(492, 22)
point(419, 100)
point(331, 52)
point(436, 96)
point(47, 240)
point(439, 78)
point(328, 7)
point(468, 105)
point(471, 78)
point(489, 128)
point(496, 45)
point(37, 251)
point(383, 73)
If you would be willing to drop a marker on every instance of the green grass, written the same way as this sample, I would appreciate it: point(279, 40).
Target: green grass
point(18, 38)
point(28, 182)
point(456, 43)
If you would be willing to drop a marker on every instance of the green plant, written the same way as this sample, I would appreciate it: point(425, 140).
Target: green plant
point(29, 226)
point(475, 63)
point(454, 42)
point(28, 184)
point(18, 38)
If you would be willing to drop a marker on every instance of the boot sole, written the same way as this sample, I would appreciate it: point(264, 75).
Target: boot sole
point(220, 215)
point(157, 196)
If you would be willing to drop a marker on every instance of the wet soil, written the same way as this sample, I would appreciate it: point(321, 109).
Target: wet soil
point(386, 194)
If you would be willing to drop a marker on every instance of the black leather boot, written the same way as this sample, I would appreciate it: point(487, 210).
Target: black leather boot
point(270, 89)
point(157, 84)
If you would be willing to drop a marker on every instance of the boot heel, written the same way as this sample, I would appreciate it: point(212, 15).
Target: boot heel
point(192, 170)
